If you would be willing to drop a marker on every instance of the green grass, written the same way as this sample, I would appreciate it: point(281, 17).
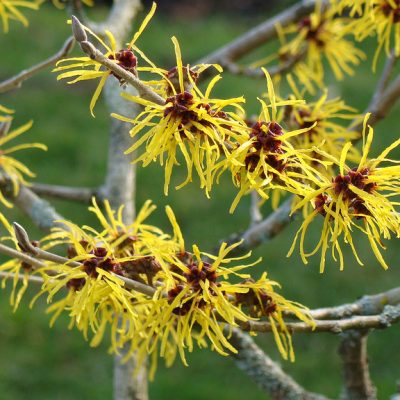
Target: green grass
point(57, 363)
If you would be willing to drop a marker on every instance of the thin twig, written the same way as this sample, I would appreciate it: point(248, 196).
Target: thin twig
point(16, 81)
point(367, 305)
point(13, 253)
point(79, 194)
point(263, 231)
point(354, 355)
point(237, 69)
point(385, 76)
point(31, 278)
point(389, 316)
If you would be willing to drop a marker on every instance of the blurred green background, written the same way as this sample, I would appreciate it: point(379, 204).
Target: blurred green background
point(37, 362)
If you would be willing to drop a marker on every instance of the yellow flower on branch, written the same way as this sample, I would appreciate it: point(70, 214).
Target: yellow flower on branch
point(358, 198)
point(265, 159)
point(380, 17)
point(201, 304)
point(84, 68)
point(9, 11)
point(321, 36)
point(14, 170)
point(191, 123)
point(326, 133)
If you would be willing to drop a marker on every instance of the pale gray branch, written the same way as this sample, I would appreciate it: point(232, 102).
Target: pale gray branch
point(16, 81)
point(356, 376)
point(31, 278)
point(265, 372)
point(389, 316)
point(367, 305)
point(41, 212)
point(251, 72)
point(385, 76)
point(79, 194)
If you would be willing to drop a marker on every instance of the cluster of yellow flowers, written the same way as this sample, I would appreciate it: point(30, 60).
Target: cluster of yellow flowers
point(145, 286)
point(292, 147)
point(187, 299)
point(374, 17)
point(11, 169)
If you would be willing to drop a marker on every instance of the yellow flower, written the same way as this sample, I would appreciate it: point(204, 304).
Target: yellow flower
point(202, 303)
point(383, 18)
point(95, 300)
point(190, 301)
point(265, 158)
point(358, 198)
point(326, 133)
point(84, 68)
point(16, 270)
point(9, 11)
point(12, 168)
point(190, 123)
point(321, 36)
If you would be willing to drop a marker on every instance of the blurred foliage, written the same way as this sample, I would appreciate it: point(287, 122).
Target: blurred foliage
point(57, 363)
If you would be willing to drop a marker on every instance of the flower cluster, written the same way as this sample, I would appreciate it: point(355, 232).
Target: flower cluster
point(142, 286)
point(358, 198)
point(327, 134)
point(319, 36)
point(190, 122)
point(375, 17)
point(11, 169)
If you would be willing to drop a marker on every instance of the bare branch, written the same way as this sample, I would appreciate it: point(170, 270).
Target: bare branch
point(263, 231)
point(31, 278)
point(380, 106)
point(367, 305)
point(16, 81)
point(266, 373)
point(385, 76)
point(237, 69)
point(357, 380)
point(8, 251)
point(79, 194)
point(259, 35)
point(255, 213)
point(389, 316)
point(42, 214)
